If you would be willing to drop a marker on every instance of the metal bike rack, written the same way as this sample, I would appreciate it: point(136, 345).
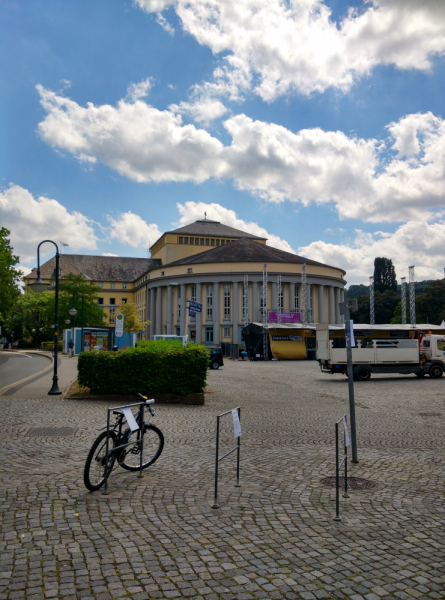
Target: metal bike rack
point(338, 466)
point(139, 441)
point(218, 458)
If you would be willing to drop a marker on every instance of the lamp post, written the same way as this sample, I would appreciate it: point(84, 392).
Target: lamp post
point(73, 313)
point(40, 286)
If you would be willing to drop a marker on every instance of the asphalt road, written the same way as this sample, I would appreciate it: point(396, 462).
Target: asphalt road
point(15, 366)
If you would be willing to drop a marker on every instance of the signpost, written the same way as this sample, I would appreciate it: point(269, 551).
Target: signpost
point(346, 308)
point(119, 327)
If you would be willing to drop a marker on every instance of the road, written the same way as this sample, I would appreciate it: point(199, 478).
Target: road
point(15, 366)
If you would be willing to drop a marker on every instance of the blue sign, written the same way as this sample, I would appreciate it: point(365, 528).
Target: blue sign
point(192, 313)
point(195, 306)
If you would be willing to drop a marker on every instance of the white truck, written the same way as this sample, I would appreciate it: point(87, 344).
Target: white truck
point(382, 355)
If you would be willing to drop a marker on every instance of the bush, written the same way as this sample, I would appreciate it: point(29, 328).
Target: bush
point(50, 345)
point(157, 367)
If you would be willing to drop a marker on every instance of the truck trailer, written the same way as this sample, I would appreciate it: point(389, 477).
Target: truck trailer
point(420, 356)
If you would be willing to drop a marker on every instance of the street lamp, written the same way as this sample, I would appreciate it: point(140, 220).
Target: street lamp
point(73, 312)
point(40, 286)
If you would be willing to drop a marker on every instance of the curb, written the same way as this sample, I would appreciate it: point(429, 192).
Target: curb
point(11, 385)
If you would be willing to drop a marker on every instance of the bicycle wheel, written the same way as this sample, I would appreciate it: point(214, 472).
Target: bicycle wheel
point(94, 472)
point(153, 446)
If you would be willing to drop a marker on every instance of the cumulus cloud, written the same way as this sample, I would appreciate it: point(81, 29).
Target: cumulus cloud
point(416, 242)
point(131, 229)
point(109, 254)
point(297, 46)
point(139, 90)
point(394, 180)
point(32, 220)
point(202, 111)
point(192, 211)
point(165, 24)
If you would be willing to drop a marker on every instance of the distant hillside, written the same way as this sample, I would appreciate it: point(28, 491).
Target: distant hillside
point(363, 290)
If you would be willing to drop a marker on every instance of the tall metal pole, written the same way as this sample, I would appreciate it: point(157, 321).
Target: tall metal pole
point(412, 296)
point(303, 295)
point(371, 301)
point(264, 316)
point(350, 381)
point(279, 299)
point(403, 294)
point(246, 301)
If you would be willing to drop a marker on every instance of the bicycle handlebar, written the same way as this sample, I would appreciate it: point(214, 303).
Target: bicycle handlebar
point(147, 401)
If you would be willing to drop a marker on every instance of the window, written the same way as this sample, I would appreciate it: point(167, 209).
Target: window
point(212, 242)
point(207, 242)
point(193, 293)
point(186, 240)
point(112, 286)
point(101, 284)
point(193, 334)
point(178, 330)
point(281, 298)
point(112, 310)
point(202, 241)
point(124, 301)
point(179, 291)
point(297, 299)
point(190, 270)
point(181, 240)
point(226, 332)
point(210, 304)
point(124, 286)
point(112, 300)
point(111, 319)
point(192, 241)
point(227, 301)
point(100, 300)
point(209, 335)
point(162, 273)
point(223, 242)
point(53, 283)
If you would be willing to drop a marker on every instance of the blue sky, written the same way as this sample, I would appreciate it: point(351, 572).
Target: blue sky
point(318, 124)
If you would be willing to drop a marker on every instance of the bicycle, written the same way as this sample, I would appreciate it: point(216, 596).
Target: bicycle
point(123, 448)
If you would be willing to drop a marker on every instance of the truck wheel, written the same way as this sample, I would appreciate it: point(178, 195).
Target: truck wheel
point(363, 373)
point(436, 371)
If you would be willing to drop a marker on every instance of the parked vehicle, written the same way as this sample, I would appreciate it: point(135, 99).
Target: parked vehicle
point(383, 355)
point(216, 358)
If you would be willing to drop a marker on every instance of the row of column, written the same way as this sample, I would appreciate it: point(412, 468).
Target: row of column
point(154, 307)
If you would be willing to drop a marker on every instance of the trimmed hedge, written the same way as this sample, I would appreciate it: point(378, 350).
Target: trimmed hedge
point(155, 368)
point(50, 346)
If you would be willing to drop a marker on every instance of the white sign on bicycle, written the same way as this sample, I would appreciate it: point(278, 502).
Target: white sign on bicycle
point(119, 325)
point(236, 423)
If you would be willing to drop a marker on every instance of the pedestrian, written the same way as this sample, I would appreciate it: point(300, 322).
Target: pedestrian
point(71, 348)
point(252, 353)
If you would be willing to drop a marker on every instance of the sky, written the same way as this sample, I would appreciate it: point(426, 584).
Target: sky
point(317, 124)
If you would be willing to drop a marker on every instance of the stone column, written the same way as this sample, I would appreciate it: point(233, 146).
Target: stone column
point(152, 293)
point(321, 303)
point(255, 313)
point(274, 302)
point(342, 299)
point(199, 315)
point(183, 319)
point(169, 309)
point(337, 308)
point(235, 313)
point(331, 305)
point(216, 313)
point(159, 310)
point(292, 297)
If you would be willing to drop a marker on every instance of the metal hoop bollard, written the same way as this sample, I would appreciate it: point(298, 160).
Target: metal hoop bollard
point(237, 448)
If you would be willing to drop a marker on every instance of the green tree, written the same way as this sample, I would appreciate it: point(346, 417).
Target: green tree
point(384, 306)
point(397, 318)
point(9, 277)
point(32, 311)
point(93, 315)
point(430, 306)
point(133, 322)
point(384, 275)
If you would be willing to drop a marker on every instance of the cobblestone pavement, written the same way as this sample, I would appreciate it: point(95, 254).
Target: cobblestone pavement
point(274, 537)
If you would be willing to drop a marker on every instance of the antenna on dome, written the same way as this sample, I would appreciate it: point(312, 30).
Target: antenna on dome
point(205, 216)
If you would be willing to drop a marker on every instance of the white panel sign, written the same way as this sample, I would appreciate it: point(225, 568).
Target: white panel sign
point(119, 325)
point(130, 419)
point(347, 440)
point(236, 423)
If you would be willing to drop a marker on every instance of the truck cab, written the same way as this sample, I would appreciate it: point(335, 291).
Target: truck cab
point(433, 347)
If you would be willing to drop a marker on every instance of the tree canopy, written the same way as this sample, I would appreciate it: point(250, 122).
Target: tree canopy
point(32, 311)
point(133, 322)
point(93, 315)
point(384, 275)
point(9, 276)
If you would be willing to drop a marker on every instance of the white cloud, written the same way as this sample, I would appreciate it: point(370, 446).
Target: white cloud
point(109, 254)
point(296, 46)
point(414, 243)
point(131, 229)
point(32, 220)
point(203, 110)
point(139, 90)
point(192, 211)
point(362, 177)
point(165, 24)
